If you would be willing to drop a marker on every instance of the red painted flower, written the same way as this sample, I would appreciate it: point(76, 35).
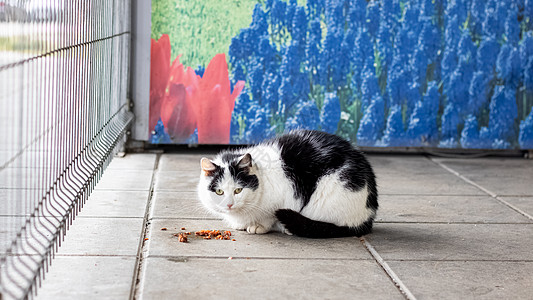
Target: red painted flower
point(169, 99)
point(159, 70)
point(184, 101)
point(214, 102)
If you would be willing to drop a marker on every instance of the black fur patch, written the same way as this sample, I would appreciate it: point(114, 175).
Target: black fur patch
point(240, 175)
point(243, 176)
point(302, 226)
point(216, 175)
point(309, 155)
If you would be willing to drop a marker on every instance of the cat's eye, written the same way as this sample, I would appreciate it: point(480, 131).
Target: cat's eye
point(237, 191)
point(219, 192)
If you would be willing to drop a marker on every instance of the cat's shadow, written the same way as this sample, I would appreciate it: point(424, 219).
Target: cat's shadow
point(407, 238)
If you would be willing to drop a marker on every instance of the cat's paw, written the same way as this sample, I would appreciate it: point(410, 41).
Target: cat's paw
point(256, 229)
point(286, 231)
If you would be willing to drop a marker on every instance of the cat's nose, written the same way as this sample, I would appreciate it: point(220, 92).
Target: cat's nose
point(230, 205)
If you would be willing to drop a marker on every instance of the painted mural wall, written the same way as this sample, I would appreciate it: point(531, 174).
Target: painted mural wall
point(428, 73)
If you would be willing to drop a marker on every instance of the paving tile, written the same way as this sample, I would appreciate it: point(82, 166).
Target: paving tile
point(403, 164)
point(163, 243)
point(502, 176)
point(523, 203)
point(185, 278)
point(466, 279)
point(183, 181)
point(178, 205)
point(12, 203)
point(443, 183)
point(106, 203)
point(134, 161)
point(453, 209)
point(397, 241)
point(102, 236)
point(497, 166)
point(22, 178)
point(34, 240)
point(125, 180)
point(181, 162)
point(88, 277)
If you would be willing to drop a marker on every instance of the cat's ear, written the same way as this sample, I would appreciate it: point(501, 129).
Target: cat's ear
point(245, 162)
point(207, 166)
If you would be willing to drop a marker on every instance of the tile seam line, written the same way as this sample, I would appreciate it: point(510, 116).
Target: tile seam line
point(488, 192)
point(255, 258)
point(136, 286)
point(388, 270)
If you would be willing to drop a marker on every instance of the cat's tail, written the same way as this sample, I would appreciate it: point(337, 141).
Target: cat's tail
point(302, 226)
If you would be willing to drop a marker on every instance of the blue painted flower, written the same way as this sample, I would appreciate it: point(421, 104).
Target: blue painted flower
point(528, 75)
point(450, 122)
point(512, 27)
point(457, 90)
point(259, 23)
point(312, 49)
point(493, 25)
point(477, 92)
point(255, 78)
point(200, 70)
point(159, 135)
point(427, 8)
point(429, 40)
point(369, 86)
point(477, 13)
point(331, 113)
point(508, 65)
point(394, 135)
point(306, 117)
point(193, 139)
point(419, 64)
point(452, 33)
point(525, 136)
point(332, 70)
point(470, 133)
point(466, 47)
point(299, 29)
point(372, 123)
point(278, 14)
point(457, 8)
point(503, 112)
point(289, 14)
point(270, 87)
point(487, 54)
point(335, 14)
point(372, 17)
point(258, 126)
point(315, 7)
point(357, 14)
point(384, 44)
point(422, 129)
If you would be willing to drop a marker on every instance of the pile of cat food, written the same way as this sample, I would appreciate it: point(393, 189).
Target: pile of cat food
point(183, 237)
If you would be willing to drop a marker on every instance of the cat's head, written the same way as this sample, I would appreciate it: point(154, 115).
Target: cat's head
point(228, 184)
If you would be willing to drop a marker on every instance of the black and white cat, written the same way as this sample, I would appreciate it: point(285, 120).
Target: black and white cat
point(308, 183)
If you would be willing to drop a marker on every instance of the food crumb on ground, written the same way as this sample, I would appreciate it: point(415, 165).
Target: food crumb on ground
point(182, 238)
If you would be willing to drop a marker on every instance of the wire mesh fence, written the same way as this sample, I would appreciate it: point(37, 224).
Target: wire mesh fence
point(63, 114)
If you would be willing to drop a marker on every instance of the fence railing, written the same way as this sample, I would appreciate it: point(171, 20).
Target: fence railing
point(64, 112)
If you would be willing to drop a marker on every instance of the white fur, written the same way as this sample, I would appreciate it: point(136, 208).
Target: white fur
point(254, 210)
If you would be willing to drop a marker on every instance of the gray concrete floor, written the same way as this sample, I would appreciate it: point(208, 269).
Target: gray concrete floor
point(446, 229)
